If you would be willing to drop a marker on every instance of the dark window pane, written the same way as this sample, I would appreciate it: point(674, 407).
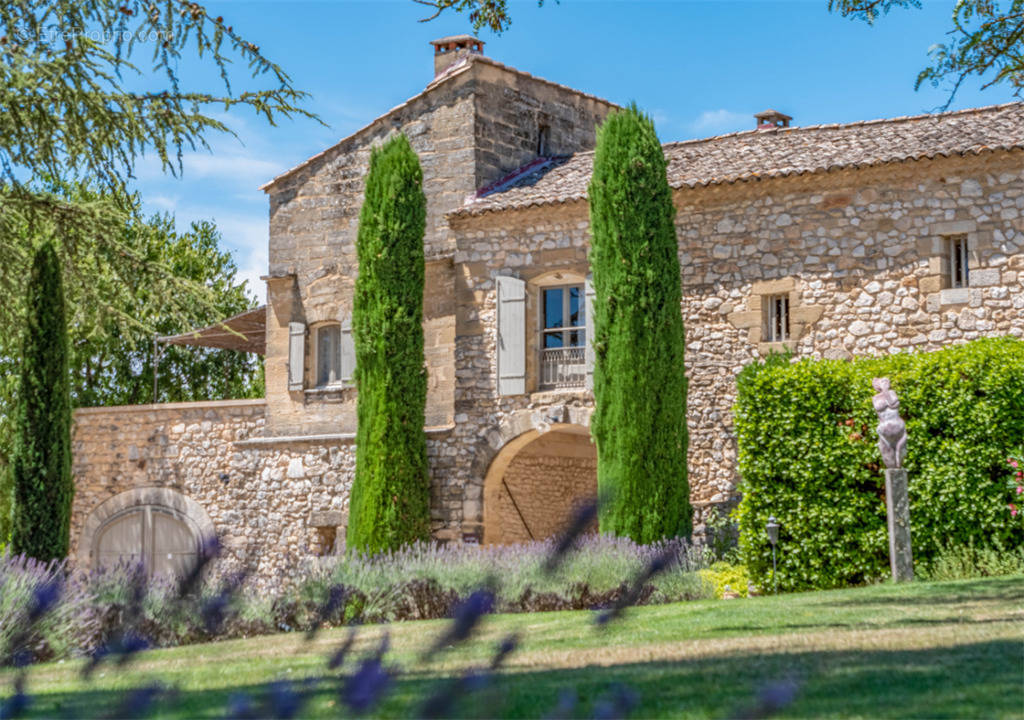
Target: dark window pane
point(576, 306)
point(553, 340)
point(576, 338)
point(553, 308)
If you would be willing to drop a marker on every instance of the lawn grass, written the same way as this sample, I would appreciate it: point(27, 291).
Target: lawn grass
point(951, 649)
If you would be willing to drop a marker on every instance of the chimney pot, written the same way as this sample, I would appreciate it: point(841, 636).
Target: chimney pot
point(772, 119)
point(449, 50)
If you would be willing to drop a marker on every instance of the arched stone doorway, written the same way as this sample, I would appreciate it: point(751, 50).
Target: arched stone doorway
point(535, 481)
point(160, 527)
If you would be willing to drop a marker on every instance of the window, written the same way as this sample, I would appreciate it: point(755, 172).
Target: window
point(563, 337)
point(543, 140)
point(958, 265)
point(328, 355)
point(776, 318)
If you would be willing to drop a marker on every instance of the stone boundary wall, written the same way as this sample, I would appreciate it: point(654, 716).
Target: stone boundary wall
point(274, 502)
point(259, 497)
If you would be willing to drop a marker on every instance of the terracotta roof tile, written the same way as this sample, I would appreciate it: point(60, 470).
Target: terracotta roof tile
point(777, 152)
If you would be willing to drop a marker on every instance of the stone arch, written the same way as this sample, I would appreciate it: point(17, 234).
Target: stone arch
point(562, 432)
point(159, 497)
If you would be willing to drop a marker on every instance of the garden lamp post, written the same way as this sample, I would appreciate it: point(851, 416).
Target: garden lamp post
point(772, 528)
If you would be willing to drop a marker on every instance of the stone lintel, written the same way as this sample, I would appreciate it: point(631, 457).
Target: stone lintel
point(773, 287)
point(328, 518)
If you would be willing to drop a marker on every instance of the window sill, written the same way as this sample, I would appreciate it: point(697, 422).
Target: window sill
point(954, 296)
point(546, 397)
point(330, 393)
point(766, 348)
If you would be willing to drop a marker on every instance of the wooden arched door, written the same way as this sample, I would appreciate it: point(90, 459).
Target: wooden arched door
point(160, 538)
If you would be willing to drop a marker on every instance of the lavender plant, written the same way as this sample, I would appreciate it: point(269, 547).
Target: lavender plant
point(35, 596)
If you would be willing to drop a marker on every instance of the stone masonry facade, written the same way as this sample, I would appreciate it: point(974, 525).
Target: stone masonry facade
point(855, 231)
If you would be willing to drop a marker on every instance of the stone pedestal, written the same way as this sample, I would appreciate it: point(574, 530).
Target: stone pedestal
point(897, 503)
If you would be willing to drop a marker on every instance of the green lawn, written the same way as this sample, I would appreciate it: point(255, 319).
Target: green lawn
point(953, 649)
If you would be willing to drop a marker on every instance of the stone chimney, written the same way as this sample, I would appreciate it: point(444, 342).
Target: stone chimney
point(772, 119)
point(449, 50)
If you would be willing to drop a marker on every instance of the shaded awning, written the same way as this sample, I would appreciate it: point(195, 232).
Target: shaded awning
point(245, 332)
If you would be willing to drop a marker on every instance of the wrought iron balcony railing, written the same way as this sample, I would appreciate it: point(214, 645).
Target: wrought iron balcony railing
point(562, 368)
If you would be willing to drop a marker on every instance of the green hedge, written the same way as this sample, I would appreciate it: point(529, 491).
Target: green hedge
point(808, 455)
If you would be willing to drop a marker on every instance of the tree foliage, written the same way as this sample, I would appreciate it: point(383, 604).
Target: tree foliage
point(639, 423)
point(67, 113)
point(390, 501)
point(41, 462)
point(111, 362)
point(491, 14)
point(986, 41)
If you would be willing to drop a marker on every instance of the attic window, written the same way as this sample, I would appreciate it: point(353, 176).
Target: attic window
point(543, 140)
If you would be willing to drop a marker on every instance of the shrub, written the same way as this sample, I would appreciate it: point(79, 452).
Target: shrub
point(419, 581)
point(722, 574)
point(808, 455)
point(962, 562)
point(41, 457)
point(425, 576)
point(639, 422)
point(390, 503)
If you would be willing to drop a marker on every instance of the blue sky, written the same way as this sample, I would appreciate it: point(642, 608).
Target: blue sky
point(699, 68)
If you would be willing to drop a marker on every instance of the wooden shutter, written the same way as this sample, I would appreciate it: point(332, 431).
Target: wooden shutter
point(588, 318)
point(511, 335)
point(296, 355)
point(348, 351)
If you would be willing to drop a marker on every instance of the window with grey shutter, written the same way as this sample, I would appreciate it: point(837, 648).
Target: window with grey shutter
point(348, 352)
point(511, 339)
point(296, 355)
point(588, 315)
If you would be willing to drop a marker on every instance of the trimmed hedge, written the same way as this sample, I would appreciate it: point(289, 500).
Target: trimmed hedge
point(808, 455)
point(639, 422)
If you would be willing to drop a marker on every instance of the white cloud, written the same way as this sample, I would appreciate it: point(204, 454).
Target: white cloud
point(718, 122)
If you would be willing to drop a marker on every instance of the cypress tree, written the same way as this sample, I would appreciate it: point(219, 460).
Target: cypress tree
point(639, 423)
point(41, 458)
point(390, 501)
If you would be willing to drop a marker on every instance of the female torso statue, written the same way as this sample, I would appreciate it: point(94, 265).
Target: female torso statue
point(892, 431)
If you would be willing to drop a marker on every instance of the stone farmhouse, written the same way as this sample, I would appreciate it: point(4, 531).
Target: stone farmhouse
point(833, 240)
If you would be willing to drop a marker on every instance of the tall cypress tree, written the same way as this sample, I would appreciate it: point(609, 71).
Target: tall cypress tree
point(639, 424)
point(41, 458)
point(390, 501)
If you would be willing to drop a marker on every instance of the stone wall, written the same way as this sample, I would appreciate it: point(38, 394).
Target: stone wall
point(274, 501)
point(858, 253)
point(259, 496)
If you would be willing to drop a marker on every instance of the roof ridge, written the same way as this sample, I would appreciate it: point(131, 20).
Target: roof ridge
point(855, 123)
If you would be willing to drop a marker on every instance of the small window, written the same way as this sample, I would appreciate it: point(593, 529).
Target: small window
point(328, 355)
point(958, 264)
point(543, 140)
point(776, 318)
